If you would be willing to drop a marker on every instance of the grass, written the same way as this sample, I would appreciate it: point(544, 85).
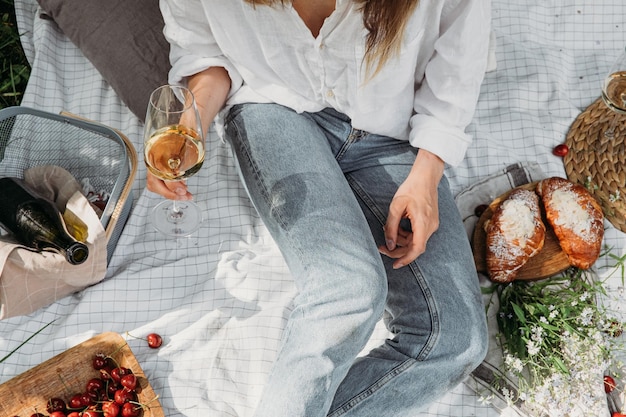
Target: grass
point(14, 68)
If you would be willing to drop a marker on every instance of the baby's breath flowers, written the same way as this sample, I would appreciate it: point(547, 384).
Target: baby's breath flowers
point(557, 343)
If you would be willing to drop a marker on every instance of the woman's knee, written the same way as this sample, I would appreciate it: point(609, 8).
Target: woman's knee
point(468, 337)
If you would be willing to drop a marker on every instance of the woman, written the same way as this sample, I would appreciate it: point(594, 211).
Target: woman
point(341, 115)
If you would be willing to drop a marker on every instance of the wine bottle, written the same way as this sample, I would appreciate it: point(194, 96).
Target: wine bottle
point(36, 222)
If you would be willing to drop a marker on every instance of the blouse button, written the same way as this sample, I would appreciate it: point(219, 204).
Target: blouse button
point(330, 93)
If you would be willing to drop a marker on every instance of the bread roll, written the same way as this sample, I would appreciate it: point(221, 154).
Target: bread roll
point(514, 234)
point(576, 218)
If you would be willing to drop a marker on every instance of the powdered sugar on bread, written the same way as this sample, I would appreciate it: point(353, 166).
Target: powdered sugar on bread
point(575, 217)
point(515, 233)
point(517, 221)
point(571, 214)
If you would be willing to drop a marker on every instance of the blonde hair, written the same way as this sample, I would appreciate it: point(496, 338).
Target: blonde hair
point(385, 21)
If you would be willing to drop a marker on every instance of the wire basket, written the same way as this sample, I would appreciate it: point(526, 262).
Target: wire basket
point(89, 151)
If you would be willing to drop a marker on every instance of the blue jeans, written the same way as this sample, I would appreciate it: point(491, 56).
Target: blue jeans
point(323, 190)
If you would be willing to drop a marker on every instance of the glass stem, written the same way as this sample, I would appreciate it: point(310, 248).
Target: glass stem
point(176, 213)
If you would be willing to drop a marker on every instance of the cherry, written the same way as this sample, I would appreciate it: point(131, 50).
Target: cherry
point(480, 209)
point(560, 150)
point(75, 401)
point(110, 409)
point(55, 404)
point(87, 399)
point(131, 410)
point(113, 394)
point(119, 372)
point(105, 374)
point(129, 381)
point(154, 340)
point(609, 383)
point(94, 385)
point(99, 361)
point(123, 396)
point(111, 388)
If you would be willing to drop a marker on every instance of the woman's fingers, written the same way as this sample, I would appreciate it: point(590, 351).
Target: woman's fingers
point(174, 190)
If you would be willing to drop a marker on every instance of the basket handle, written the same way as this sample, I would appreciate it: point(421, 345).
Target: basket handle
point(132, 156)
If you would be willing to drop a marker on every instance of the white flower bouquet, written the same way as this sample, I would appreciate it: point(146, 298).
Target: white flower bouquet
point(558, 343)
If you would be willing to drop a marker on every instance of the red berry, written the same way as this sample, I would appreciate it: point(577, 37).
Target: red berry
point(609, 383)
point(99, 361)
point(87, 399)
point(123, 396)
point(74, 414)
point(75, 401)
point(560, 150)
point(55, 404)
point(91, 413)
point(118, 373)
point(105, 374)
point(111, 388)
point(480, 209)
point(154, 340)
point(129, 381)
point(110, 409)
point(94, 385)
point(57, 414)
point(131, 410)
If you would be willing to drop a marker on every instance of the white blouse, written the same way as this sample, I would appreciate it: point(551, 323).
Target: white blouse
point(426, 95)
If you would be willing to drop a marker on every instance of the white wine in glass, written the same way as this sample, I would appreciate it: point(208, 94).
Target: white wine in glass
point(174, 151)
point(614, 91)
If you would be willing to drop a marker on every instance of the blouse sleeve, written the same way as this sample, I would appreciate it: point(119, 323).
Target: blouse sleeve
point(192, 45)
point(447, 95)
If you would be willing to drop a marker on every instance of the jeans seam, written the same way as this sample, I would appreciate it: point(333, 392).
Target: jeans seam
point(354, 136)
point(371, 390)
point(417, 274)
point(432, 308)
point(362, 194)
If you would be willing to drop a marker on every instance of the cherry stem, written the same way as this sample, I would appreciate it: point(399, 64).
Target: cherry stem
point(145, 405)
point(63, 382)
point(134, 337)
point(110, 356)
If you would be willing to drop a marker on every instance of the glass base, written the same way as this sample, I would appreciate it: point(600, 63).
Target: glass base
point(176, 219)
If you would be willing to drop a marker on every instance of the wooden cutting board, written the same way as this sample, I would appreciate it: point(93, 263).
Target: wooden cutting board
point(67, 374)
point(550, 261)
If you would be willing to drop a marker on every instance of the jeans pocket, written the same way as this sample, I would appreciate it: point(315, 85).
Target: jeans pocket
point(232, 113)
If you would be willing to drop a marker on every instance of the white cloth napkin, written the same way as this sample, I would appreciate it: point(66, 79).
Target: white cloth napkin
point(488, 372)
point(30, 280)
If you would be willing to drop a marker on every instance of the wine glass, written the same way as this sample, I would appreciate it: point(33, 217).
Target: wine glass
point(174, 151)
point(614, 92)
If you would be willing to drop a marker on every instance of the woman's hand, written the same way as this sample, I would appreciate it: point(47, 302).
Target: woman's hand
point(416, 200)
point(174, 190)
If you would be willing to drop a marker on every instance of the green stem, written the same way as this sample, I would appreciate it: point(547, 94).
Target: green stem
point(25, 341)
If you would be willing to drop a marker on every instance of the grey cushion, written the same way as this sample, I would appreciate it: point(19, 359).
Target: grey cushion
point(122, 39)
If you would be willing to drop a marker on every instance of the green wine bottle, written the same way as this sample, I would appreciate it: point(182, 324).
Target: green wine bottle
point(36, 222)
